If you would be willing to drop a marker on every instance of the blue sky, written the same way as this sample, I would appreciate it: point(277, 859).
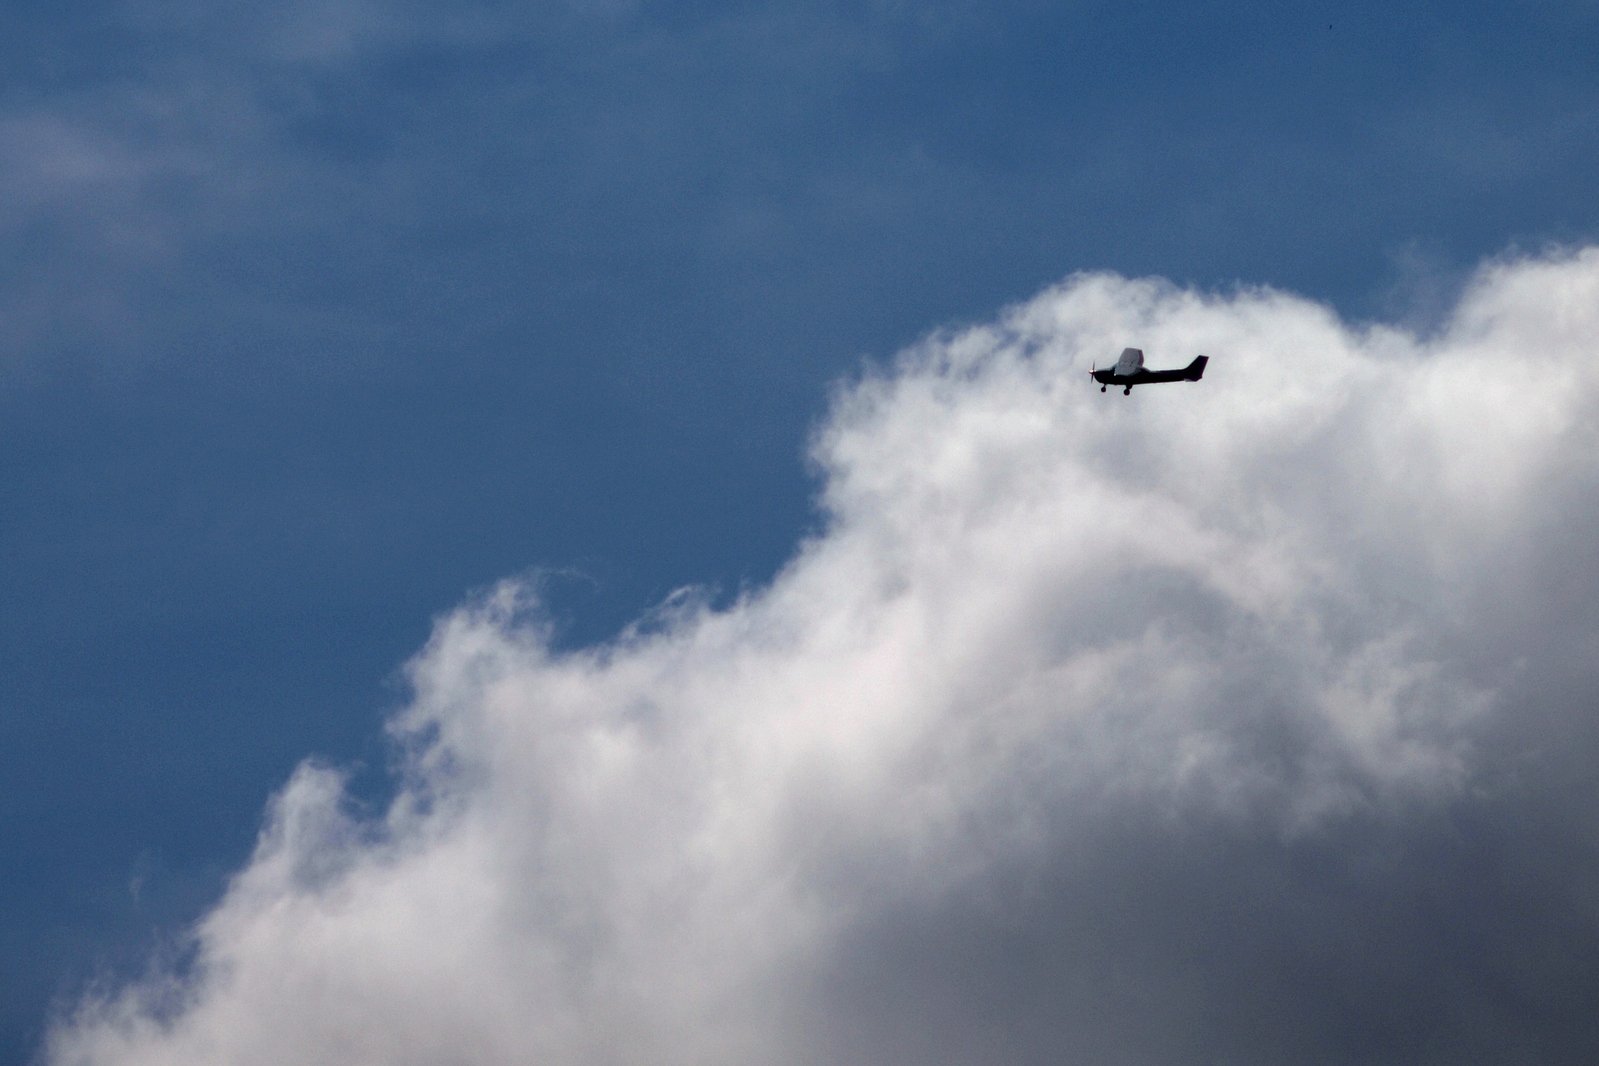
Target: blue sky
point(316, 319)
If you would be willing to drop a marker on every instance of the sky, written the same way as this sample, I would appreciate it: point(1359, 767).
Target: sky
point(581, 531)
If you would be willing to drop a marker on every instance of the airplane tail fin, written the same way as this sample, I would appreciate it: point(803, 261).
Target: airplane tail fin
point(1196, 370)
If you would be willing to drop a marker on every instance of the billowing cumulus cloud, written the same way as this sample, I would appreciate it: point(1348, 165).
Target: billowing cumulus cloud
point(1246, 721)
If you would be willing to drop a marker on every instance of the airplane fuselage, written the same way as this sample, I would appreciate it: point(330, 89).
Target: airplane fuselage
point(1127, 379)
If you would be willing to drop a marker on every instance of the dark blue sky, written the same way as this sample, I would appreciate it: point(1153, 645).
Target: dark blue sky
point(313, 320)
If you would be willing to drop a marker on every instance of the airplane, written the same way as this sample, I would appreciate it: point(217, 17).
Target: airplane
point(1129, 371)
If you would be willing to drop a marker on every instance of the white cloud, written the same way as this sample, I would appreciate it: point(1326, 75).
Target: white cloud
point(1089, 726)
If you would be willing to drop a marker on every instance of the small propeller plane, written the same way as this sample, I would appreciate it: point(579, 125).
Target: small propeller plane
point(1129, 371)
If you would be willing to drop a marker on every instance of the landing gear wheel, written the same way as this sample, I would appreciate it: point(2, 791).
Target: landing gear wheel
point(1102, 388)
point(1128, 391)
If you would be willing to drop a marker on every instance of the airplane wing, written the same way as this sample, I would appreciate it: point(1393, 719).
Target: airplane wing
point(1131, 362)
